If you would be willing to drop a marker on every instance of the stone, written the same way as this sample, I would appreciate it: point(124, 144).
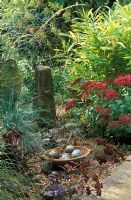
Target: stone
point(54, 154)
point(76, 153)
point(69, 149)
point(45, 96)
point(58, 124)
point(128, 158)
point(60, 140)
point(65, 156)
point(71, 126)
point(10, 83)
point(46, 140)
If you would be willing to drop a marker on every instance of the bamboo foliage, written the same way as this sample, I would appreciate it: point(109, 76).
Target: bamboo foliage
point(102, 45)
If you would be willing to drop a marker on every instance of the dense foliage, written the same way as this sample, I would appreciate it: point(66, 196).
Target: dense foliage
point(100, 60)
point(101, 44)
point(88, 44)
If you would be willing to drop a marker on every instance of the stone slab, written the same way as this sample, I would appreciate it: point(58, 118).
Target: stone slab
point(128, 158)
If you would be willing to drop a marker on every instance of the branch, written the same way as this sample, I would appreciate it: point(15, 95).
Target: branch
point(57, 14)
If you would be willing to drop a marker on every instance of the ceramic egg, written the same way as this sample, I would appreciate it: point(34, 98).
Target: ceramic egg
point(76, 153)
point(65, 156)
point(69, 149)
point(54, 154)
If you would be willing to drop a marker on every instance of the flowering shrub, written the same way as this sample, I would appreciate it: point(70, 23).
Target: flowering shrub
point(106, 105)
point(123, 80)
point(111, 94)
point(122, 126)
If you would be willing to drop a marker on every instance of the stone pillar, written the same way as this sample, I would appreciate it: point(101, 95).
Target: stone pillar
point(45, 96)
point(10, 84)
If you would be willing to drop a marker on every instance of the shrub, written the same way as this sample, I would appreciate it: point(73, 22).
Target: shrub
point(104, 152)
point(100, 44)
point(106, 105)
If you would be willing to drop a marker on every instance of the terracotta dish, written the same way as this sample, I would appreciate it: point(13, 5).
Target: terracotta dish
point(84, 152)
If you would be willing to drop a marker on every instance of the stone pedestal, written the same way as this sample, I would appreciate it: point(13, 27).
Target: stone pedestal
point(45, 96)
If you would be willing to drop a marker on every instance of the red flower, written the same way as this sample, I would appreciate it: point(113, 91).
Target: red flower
point(113, 124)
point(98, 85)
point(83, 95)
point(123, 80)
point(69, 105)
point(111, 94)
point(125, 119)
point(84, 85)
